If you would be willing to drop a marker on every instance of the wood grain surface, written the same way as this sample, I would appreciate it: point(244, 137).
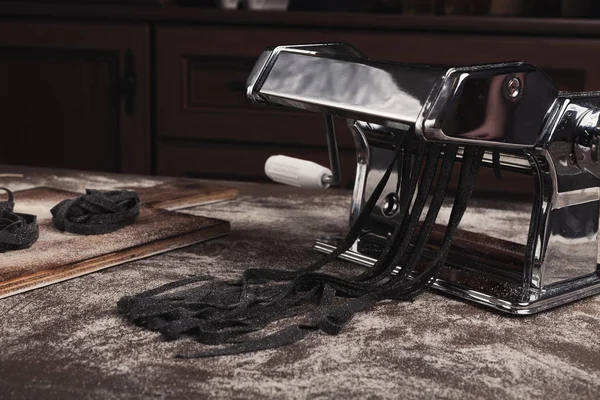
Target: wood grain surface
point(58, 256)
point(183, 193)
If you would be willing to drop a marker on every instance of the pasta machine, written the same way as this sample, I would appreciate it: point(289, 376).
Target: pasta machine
point(513, 109)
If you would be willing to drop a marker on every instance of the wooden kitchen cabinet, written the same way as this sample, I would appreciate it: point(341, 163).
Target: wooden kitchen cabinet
point(200, 88)
point(75, 95)
point(61, 67)
point(200, 96)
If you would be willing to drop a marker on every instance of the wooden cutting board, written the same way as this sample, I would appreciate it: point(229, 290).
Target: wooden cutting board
point(176, 195)
point(183, 193)
point(58, 256)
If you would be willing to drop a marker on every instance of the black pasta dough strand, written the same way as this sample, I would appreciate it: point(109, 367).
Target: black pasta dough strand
point(17, 231)
point(228, 304)
point(401, 239)
point(408, 259)
point(96, 212)
point(351, 237)
point(333, 321)
point(274, 306)
point(10, 203)
point(472, 156)
point(284, 337)
point(405, 231)
point(400, 287)
point(225, 312)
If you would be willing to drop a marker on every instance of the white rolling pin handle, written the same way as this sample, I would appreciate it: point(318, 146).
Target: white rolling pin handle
point(296, 172)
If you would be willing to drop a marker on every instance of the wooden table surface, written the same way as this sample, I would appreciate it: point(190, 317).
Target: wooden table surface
point(67, 341)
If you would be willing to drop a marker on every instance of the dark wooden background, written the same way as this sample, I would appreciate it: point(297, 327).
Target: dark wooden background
point(63, 92)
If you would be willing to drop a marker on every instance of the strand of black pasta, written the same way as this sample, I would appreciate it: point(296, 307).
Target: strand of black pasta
point(409, 257)
point(403, 287)
point(221, 301)
point(393, 254)
point(362, 288)
point(273, 310)
point(96, 212)
point(404, 232)
point(403, 236)
point(496, 162)
point(10, 203)
point(261, 274)
point(18, 231)
point(284, 337)
point(472, 160)
point(406, 287)
point(350, 238)
point(333, 321)
point(306, 278)
point(224, 312)
point(269, 306)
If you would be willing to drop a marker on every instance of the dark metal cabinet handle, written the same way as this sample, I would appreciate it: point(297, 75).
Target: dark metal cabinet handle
point(128, 83)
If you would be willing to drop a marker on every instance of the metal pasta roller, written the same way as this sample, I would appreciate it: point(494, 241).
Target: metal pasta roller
point(512, 109)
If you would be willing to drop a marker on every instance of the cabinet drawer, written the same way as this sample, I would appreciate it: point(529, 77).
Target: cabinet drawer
point(268, 128)
point(239, 162)
point(217, 82)
point(201, 73)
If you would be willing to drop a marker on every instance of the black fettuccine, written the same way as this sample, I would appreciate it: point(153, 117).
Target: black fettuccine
point(9, 204)
point(96, 212)
point(225, 312)
point(17, 231)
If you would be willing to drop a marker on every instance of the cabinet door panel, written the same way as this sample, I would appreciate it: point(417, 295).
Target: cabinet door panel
point(201, 92)
point(217, 81)
point(61, 96)
point(203, 69)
